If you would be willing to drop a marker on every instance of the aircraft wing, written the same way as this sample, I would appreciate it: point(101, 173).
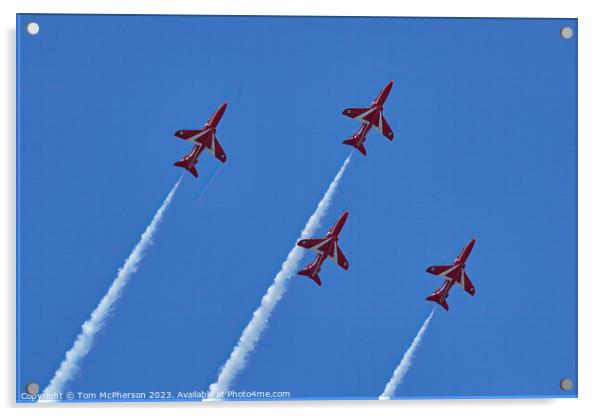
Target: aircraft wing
point(312, 243)
point(438, 270)
point(466, 284)
point(384, 127)
point(195, 135)
point(355, 112)
point(213, 146)
point(365, 115)
point(441, 270)
point(339, 258)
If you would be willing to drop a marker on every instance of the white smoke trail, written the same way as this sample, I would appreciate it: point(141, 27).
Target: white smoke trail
point(251, 334)
point(406, 362)
point(90, 328)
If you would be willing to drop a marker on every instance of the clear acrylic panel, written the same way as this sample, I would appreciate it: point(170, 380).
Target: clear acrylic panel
point(338, 184)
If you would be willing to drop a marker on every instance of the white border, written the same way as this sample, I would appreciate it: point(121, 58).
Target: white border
point(590, 172)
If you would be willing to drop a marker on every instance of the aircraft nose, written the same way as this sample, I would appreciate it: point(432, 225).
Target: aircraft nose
point(343, 219)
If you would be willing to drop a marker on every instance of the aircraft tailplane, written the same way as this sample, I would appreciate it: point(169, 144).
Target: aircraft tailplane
point(438, 298)
point(353, 142)
point(191, 169)
point(309, 273)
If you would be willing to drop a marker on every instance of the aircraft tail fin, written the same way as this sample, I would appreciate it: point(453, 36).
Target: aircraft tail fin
point(353, 142)
point(191, 169)
point(309, 273)
point(438, 298)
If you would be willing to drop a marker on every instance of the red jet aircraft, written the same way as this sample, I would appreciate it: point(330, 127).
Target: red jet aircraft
point(327, 247)
point(454, 273)
point(371, 116)
point(202, 139)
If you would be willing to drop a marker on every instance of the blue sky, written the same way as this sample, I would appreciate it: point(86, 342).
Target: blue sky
point(484, 113)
